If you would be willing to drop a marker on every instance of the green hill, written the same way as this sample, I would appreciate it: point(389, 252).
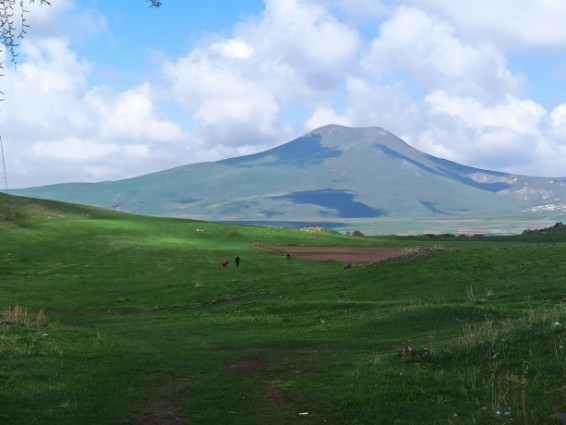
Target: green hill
point(18, 208)
point(110, 318)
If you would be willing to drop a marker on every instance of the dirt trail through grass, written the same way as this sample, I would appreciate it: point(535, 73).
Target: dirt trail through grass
point(163, 405)
point(157, 308)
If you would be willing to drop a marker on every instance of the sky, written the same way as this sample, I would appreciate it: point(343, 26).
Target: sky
point(107, 90)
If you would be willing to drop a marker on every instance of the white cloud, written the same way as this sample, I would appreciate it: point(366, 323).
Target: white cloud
point(371, 104)
point(325, 115)
point(233, 49)
point(436, 75)
point(520, 116)
point(515, 24)
point(72, 149)
point(46, 20)
point(427, 50)
point(238, 90)
point(303, 34)
point(42, 93)
point(509, 136)
point(452, 96)
point(222, 101)
point(52, 67)
point(359, 9)
point(130, 116)
point(558, 123)
point(56, 127)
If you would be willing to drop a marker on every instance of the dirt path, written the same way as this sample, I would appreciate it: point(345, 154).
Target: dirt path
point(144, 310)
point(162, 407)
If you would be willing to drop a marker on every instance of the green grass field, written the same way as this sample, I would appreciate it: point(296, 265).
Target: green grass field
point(107, 318)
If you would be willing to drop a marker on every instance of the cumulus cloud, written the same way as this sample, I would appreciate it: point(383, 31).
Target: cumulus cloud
point(466, 104)
point(233, 49)
point(47, 20)
point(435, 74)
point(42, 92)
point(372, 104)
point(361, 10)
point(51, 117)
point(130, 115)
point(412, 42)
point(225, 105)
point(520, 116)
point(558, 124)
point(324, 115)
point(515, 24)
point(73, 149)
point(239, 91)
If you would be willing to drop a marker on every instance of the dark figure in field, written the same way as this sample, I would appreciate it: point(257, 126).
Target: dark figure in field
point(237, 260)
point(288, 256)
point(225, 263)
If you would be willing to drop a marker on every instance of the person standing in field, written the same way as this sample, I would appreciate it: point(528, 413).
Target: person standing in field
point(237, 261)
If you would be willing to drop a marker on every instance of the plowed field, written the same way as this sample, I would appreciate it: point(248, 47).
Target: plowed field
point(345, 254)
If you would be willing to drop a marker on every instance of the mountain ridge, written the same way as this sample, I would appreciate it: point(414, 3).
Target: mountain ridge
point(333, 173)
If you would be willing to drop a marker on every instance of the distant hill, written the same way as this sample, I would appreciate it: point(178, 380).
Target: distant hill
point(555, 232)
point(335, 176)
point(17, 209)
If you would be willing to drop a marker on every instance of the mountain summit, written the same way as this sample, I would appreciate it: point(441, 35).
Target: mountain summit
point(332, 174)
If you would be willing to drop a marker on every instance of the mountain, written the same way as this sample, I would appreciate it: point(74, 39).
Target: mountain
point(335, 175)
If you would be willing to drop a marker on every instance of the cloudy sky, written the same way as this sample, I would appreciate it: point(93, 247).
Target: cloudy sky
point(106, 90)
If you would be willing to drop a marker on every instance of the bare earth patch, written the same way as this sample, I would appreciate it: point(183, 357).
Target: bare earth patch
point(271, 379)
point(346, 254)
point(162, 406)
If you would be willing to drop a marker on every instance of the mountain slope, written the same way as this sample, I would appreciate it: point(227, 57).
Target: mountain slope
point(18, 209)
point(333, 173)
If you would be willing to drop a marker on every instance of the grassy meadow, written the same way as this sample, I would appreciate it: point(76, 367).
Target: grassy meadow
point(108, 318)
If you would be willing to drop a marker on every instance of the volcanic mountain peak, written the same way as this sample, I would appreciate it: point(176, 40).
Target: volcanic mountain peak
point(333, 174)
point(334, 135)
point(343, 144)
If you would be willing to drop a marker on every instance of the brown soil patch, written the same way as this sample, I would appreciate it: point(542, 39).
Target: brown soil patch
point(259, 368)
point(162, 412)
point(276, 395)
point(162, 407)
point(346, 254)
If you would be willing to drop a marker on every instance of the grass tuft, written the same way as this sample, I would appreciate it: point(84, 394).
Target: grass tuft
point(20, 316)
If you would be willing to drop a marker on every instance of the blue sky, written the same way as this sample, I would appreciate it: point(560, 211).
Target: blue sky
point(113, 89)
point(134, 33)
